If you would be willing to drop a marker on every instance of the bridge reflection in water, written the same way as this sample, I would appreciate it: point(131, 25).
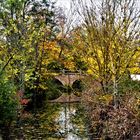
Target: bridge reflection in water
point(72, 125)
point(68, 78)
point(55, 121)
point(64, 98)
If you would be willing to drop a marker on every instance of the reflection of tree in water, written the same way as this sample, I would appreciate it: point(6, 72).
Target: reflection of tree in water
point(48, 120)
point(55, 121)
point(71, 123)
point(63, 121)
point(41, 126)
point(78, 120)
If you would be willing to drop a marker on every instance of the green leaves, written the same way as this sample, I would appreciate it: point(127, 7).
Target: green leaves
point(24, 24)
point(8, 100)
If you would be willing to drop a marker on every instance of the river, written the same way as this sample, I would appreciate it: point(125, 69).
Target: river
point(54, 122)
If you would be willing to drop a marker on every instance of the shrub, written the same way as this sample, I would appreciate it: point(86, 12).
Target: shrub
point(106, 121)
point(8, 101)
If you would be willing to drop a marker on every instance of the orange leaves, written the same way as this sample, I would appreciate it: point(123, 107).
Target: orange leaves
point(50, 49)
point(20, 95)
point(48, 45)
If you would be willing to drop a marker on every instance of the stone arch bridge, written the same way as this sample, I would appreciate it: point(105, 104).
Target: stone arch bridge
point(69, 78)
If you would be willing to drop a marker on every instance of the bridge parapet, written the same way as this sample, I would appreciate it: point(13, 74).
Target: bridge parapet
point(67, 77)
point(66, 72)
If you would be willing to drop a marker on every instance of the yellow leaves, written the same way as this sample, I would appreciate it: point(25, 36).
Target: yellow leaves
point(69, 65)
point(43, 87)
point(106, 98)
point(48, 45)
point(90, 72)
point(30, 49)
point(135, 63)
point(134, 70)
point(138, 102)
point(103, 99)
point(50, 50)
point(90, 60)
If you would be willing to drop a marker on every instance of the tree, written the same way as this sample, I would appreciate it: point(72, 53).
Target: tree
point(110, 38)
point(8, 105)
point(24, 26)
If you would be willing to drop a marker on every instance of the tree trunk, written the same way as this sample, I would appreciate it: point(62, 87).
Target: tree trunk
point(115, 93)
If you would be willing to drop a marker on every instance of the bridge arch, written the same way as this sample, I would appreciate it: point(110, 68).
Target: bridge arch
point(55, 88)
point(78, 85)
point(69, 79)
point(57, 81)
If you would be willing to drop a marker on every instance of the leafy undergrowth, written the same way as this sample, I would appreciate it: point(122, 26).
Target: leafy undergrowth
point(110, 123)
